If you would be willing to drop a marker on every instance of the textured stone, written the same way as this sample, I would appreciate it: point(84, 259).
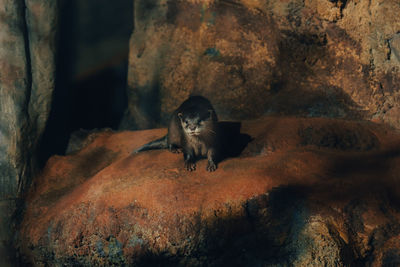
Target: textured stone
point(27, 82)
point(13, 102)
point(310, 58)
point(394, 45)
point(7, 253)
point(41, 19)
point(295, 196)
point(27, 44)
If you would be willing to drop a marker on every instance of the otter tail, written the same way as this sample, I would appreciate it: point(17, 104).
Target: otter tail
point(160, 143)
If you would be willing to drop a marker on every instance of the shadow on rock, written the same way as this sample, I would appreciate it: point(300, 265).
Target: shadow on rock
point(233, 142)
point(266, 231)
point(273, 230)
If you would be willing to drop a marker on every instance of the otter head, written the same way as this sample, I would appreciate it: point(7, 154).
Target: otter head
point(195, 123)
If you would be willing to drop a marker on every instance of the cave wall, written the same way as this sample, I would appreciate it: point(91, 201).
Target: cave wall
point(251, 57)
point(27, 73)
point(92, 47)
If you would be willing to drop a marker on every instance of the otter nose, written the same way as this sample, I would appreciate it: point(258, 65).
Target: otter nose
point(192, 127)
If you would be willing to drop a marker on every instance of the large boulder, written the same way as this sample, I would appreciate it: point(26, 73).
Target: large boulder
point(304, 192)
point(315, 58)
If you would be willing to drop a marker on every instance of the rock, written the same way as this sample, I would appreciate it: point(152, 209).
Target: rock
point(288, 199)
point(27, 44)
point(394, 45)
point(7, 251)
point(41, 20)
point(27, 82)
point(312, 58)
point(13, 102)
point(81, 138)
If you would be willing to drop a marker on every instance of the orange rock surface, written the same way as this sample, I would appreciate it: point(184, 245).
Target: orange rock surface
point(316, 58)
point(305, 191)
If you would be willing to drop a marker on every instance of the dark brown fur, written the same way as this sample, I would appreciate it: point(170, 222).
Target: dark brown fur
point(192, 130)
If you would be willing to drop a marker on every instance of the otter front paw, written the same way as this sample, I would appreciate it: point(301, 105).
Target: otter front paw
point(211, 166)
point(190, 166)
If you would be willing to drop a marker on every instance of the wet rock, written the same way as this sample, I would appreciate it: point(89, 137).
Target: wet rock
point(299, 204)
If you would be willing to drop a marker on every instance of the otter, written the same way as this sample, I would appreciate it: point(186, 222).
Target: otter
point(193, 130)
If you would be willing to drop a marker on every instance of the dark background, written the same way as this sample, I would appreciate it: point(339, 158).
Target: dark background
point(93, 47)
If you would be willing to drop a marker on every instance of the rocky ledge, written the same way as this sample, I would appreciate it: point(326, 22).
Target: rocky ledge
point(304, 191)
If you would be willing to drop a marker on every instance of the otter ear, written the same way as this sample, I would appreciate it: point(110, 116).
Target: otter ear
point(180, 115)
